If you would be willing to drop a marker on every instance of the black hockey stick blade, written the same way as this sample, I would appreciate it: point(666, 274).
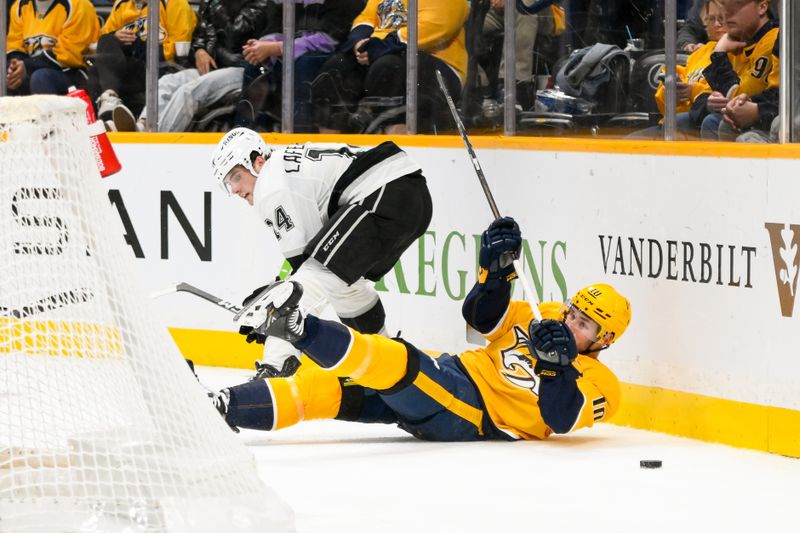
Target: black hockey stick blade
point(216, 300)
point(200, 293)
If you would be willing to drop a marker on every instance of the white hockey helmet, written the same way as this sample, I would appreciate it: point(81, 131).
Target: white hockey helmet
point(237, 148)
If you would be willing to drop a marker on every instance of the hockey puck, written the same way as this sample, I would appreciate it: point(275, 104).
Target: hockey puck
point(650, 463)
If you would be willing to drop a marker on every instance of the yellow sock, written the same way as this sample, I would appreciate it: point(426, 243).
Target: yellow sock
point(374, 361)
point(312, 393)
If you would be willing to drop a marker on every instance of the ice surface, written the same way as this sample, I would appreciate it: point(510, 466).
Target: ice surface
point(341, 476)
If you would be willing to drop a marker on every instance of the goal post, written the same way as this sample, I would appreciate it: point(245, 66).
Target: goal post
point(103, 427)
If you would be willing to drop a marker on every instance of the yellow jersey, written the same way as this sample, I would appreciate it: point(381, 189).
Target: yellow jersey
point(753, 70)
point(757, 66)
point(440, 27)
point(63, 33)
point(503, 373)
point(176, 22)
point(691, 73)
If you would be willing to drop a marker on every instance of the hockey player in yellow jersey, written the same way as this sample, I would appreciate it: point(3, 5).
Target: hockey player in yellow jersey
point(532, 379)
point(46, 44)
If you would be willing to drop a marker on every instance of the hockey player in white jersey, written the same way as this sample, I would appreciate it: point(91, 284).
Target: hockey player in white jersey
point(342, 214)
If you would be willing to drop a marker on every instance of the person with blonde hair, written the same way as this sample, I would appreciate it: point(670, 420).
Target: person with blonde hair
point(691, 83)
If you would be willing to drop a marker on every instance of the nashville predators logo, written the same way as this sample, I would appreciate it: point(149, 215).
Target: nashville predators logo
point(36, 44)
point(139, 27)
point(392, 14)
point(518, 364)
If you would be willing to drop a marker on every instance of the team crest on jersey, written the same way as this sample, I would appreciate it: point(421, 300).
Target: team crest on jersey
point(36, 44)
point(139, 27)
point(392, 14)
point(518, 363)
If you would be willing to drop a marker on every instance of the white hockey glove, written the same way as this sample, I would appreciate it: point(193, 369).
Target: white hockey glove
point(275, 313)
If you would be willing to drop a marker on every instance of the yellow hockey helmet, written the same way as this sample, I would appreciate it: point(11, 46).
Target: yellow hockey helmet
point(608, 308)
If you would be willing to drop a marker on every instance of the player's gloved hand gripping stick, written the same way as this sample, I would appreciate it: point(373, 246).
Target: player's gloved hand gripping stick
point(526, 286)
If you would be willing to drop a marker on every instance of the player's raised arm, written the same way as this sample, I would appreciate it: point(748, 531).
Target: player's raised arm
point(488, 300)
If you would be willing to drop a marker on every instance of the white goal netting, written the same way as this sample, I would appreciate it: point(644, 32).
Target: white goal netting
point(102, 425)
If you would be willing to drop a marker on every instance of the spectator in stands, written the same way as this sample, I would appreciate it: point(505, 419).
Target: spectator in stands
point(46, 43)
point(319, 26)
point(752, 69)
point(692, 34)
point(372, 63)
point(754, 135)
point(217, 42)
point(691, 83)
point(122, 50)
point(532, 17)
point(753, 119)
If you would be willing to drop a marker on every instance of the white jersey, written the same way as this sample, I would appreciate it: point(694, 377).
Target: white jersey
point(301, 186)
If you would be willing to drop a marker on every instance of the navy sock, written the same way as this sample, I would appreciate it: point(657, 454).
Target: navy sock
point(251, 406)
point(325, 342)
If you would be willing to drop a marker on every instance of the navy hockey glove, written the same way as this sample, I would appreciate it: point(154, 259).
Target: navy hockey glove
point(501, 244)
point(265, 370)
point(553, 345)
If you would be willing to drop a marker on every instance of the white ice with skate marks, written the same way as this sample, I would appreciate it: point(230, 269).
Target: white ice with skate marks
point(348, 477)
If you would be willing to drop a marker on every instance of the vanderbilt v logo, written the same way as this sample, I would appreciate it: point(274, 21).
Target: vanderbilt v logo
point(785, 243)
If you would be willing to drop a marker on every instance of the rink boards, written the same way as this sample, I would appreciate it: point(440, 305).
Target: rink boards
point(703, 239)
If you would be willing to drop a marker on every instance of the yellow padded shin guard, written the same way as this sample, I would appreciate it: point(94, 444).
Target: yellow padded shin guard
point(312, 393)
point(374, 361)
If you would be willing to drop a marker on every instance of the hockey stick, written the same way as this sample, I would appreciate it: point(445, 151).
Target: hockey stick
point(526, 286)
point(50, 303)
point(191, 289)
point(216, 300)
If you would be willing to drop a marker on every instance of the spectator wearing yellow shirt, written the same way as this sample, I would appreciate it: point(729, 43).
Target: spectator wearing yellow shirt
point(691, 83)
point(744, 62)
point(372, 63)
point(46, 43)
point(122, 50)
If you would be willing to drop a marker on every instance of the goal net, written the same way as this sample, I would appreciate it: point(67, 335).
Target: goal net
point(103, 427)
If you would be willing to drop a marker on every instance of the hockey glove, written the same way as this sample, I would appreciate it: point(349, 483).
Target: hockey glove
point(265, 370)
point(500, 246)
point(257, 292)
point(275, 313)
point(553, 345)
